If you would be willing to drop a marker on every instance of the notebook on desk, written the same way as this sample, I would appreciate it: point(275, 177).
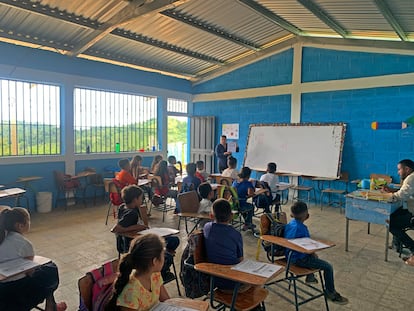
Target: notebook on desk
point(20, 265)
point(160, 231)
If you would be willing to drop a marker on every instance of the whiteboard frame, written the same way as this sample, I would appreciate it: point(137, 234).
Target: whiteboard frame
point(303, 173)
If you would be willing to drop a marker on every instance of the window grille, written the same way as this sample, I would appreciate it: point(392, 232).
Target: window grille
point(177, 105)
point(114, 122)
point(30, 118)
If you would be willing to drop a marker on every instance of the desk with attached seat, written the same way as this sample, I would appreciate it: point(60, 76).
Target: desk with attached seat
point(294, 273)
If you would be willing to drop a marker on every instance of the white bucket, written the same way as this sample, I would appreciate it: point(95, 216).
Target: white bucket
point(44, 202)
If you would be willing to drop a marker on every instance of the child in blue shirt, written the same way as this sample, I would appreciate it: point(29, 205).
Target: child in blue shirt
point(297, 229)
point(224, 244)
point(245, 190)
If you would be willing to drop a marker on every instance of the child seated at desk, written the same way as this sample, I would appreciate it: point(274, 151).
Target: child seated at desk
point(124, 176)
point(137, 170)
point(231, 171)
point(224, 244)
point(270, 177)
point(24, 291)
point(245, 190)
point(129, 216)
point(201, 172)
point(172, 170)
point(206, 193)
point(297, 229)
point(139, 285)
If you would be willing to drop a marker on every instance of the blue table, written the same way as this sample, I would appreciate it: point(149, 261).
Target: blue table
point(358, 207)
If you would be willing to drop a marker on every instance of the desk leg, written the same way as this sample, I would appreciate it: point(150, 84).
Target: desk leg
point(346, 234)
point(234, 298)
point(387, 236)
point(369, 228)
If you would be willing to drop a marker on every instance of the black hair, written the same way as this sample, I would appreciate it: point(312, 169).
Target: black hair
point(136, 159)
point(245, 172)
point(162, 169)
point(123, 163)
point(131, 192)
point(271, 167)
point(142, 252)
point(224, 136)
point(171, 159)
point(222, 210)
point(191, 169)
point(298, 208)
point(9, 218)
point(200, 164)
point(204, 189)
point(157, 159)
point(232, 161)
point(407, 163)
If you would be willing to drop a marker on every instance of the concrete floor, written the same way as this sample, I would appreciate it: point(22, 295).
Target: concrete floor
point(78, 240)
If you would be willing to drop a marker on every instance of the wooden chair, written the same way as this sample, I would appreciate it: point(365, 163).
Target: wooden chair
point(156, 184)
point(189, 204)
point(338, 192)
point(245, 301)
point(66, 185)
point(96, 182)
point(85, 285)
point(227, 181)
point(113, 189)
point(387, 178)
point(303, 186)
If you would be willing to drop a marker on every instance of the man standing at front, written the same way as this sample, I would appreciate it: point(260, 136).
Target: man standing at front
point(403, 218)
point(222, 153)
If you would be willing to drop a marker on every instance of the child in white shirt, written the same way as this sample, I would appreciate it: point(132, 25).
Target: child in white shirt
point(231, 170)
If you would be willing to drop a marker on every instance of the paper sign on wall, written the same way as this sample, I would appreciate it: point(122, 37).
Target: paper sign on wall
point(231, 130)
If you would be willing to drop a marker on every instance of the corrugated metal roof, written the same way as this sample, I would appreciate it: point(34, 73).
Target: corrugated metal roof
point(194, 38)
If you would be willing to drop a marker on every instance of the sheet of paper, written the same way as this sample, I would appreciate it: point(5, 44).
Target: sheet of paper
point(309, 244)
point(16, 266)
point(231, 146)
point(257, 268)
point(165, 306)
point(160, 231)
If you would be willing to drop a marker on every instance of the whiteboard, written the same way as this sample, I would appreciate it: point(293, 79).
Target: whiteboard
point(312, 149)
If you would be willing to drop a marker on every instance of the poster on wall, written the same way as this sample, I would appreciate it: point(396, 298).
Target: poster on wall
point(231, 130)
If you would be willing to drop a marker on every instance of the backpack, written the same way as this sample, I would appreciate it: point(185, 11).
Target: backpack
point(195, 284)
point(263, 200)
point(275, 224)
point(103, 279)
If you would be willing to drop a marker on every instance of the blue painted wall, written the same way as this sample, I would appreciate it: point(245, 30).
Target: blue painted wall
point(322, 65)
point(275, 70)
point(365, 151)
point(274, 109)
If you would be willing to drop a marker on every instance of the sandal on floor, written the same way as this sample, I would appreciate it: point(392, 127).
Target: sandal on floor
point(61, 306)
point(410, 261)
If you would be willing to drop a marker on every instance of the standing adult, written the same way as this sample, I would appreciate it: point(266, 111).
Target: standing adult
point(222, 153)
point(403, 218)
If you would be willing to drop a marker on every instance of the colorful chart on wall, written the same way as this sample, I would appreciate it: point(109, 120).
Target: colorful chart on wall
point(312, 149)
point(231, 130)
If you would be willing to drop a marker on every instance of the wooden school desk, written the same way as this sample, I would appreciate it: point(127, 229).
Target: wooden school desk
point(370, 207)
point(293, 272)
point(226, 272)
point(198, 305)
point(21, 265)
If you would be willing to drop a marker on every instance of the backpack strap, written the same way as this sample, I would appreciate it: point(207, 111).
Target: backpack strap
point(107, 268)
point(96, 274)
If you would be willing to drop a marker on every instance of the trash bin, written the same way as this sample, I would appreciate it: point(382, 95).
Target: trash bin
point(44, 202)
